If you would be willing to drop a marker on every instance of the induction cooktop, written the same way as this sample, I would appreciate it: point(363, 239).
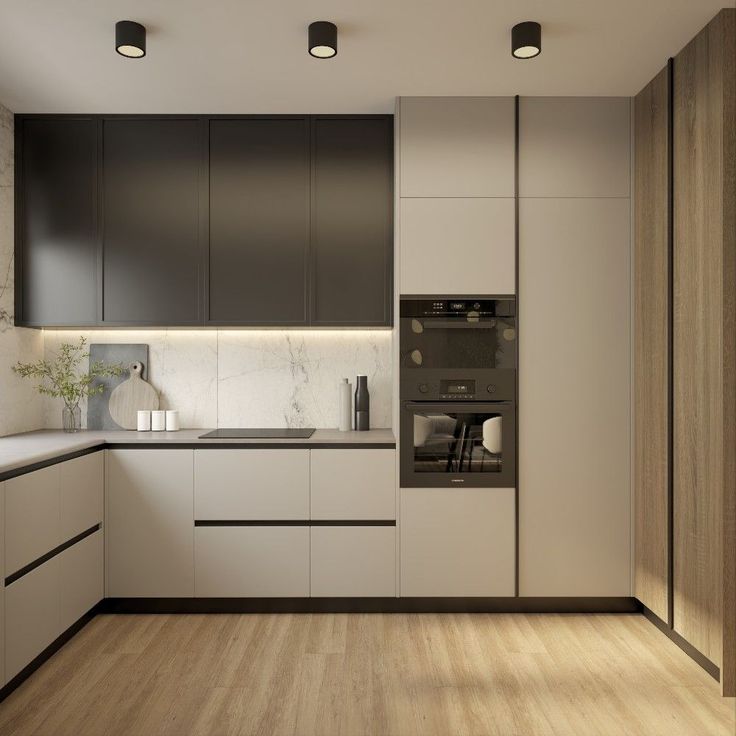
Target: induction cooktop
point(249, 433)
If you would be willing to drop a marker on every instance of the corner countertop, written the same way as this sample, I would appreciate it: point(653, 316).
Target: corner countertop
point(20, 451)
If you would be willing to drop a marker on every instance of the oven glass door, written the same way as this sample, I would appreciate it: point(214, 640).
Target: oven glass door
point(458, 343)
point(460, 443)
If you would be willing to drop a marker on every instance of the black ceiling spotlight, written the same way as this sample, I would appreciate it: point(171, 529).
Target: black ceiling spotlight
point(526, 40)
point(322, 39)
point(130, 39)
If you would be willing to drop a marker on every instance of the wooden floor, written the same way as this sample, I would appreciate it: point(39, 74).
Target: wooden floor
point(369, 674)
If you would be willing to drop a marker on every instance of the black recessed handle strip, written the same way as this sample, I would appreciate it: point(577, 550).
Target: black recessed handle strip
point(49, 555)
point(295, 522)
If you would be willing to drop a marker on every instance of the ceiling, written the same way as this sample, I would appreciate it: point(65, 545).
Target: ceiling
point(250, 56)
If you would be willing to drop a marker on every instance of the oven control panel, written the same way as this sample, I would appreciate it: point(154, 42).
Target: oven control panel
point(457, 389)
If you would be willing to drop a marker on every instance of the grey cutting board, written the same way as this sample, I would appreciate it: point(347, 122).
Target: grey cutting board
point(98, 407)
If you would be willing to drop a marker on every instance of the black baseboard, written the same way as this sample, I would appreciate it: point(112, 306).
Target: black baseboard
point(370, 605)
point(47, 653)
point(711, 668)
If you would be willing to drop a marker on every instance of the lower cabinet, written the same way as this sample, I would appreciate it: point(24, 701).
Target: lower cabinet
point(81, 576)
point(32, 618)
point(458, 542)
point(150, 523)
point(357, 561)
point(251, 561)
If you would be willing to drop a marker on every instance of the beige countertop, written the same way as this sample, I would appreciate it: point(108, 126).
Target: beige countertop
point(24, 450)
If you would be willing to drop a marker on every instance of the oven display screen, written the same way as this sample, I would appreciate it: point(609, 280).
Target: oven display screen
point(457, 387)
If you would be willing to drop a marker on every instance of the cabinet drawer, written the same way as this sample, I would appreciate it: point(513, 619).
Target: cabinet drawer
point(457, 542)
point(82, 493)
point(81, 576)
point(31, 616)
point(251, 561)
point(251, 484)
point(31, 517)
point(353, 561)
point(353, 484)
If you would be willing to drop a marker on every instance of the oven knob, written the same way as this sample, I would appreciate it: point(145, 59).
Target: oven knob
point(491, 388)
point(423, 388)
point(476, 305)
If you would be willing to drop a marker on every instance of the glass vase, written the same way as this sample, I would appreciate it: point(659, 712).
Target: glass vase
point(71, 418)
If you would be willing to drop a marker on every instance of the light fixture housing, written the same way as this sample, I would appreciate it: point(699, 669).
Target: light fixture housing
point(323, 39)
point(526, 40)
point(130, 39)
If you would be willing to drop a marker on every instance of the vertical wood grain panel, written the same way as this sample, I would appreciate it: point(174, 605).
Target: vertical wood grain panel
point(704, 375)
point(651, 346)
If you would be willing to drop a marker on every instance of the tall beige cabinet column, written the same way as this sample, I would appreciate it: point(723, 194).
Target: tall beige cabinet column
point(574, 362)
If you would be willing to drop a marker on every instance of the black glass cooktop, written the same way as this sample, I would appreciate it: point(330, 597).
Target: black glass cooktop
point(249, 433)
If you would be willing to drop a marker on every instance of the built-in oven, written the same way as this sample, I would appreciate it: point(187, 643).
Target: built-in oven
point(458, 443)
point(457, 387)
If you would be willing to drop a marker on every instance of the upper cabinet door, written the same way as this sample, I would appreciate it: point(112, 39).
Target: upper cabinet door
point(152, 254)
point(352, 220)
point(57, 221)
point(457, 146)
point(574, 147)
point(259, 221)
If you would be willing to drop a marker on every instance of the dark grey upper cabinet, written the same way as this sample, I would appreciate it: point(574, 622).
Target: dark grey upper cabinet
point(259, 221)
point(152, 183)
point(57, 221)
point(352, 221)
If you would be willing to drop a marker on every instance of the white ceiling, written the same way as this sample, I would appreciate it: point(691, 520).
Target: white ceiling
point(249, 56)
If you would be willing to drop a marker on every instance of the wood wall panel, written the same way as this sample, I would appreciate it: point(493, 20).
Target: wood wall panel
point(704, 343)
point(651, 346)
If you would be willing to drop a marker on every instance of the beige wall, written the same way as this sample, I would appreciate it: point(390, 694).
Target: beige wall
point(21, 409)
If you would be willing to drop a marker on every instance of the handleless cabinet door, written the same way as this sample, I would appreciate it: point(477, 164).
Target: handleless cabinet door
point(352, 220)
point(353, 484)
point(31, 517)
point(574, 147)
point(149, 530)
point(251, 484)
point(458, 246)
point(82, 486)
point(457, 146)
point(57, 220)
point(151, 185)
point(81, 573)
point(259, 221)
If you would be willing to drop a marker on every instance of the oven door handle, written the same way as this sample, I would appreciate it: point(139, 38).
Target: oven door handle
point(451, 324)
point(474, 407)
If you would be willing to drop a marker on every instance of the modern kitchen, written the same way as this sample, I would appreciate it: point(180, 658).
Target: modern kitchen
point(367, 369)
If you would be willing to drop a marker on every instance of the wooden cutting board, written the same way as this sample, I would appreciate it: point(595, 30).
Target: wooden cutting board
point(130, 397)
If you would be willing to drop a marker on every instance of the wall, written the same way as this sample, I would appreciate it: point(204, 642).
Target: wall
point(21, 408)
point(252, 378)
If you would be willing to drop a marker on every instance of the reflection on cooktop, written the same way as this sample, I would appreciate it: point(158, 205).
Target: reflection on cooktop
point(249, 433)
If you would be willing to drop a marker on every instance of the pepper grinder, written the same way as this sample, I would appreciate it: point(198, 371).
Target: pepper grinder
point(362, 405)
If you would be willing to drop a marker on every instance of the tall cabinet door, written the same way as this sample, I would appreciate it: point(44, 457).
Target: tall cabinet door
point(352, 220)
point(57, 221)
point(704, 345)
point(259, 221)
point(151, 184)
point(651, 347)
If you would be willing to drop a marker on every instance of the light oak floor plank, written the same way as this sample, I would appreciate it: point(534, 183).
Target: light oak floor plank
point(368, 674)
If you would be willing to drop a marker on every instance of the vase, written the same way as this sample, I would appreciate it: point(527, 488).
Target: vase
point(71, 418)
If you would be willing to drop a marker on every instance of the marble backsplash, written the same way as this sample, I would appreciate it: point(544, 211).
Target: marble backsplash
point(252, 378)
point(21, 408)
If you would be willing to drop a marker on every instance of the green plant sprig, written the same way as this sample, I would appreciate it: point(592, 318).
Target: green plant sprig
point(61, 379)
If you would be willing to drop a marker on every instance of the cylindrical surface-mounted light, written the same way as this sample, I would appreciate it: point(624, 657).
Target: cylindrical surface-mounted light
point(526, 40)
point(322, 39)
point(130, 39)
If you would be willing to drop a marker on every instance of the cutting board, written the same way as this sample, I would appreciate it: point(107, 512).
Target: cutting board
point(130, 397)
point(98, 406)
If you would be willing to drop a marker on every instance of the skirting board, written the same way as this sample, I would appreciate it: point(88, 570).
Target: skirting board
point(370, 605)
point(711, 668)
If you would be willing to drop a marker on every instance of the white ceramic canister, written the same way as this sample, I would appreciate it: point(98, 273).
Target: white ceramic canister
point(172, 420)
point(158, 421)
point(144, 421)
